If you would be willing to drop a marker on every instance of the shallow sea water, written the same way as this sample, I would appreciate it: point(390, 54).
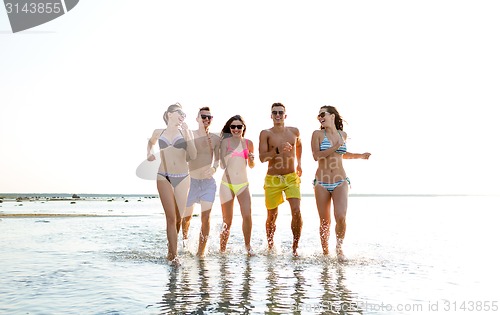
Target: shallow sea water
point(406, 255)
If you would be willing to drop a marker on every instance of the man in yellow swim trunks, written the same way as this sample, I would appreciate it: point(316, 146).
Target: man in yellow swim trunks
point(279, 146)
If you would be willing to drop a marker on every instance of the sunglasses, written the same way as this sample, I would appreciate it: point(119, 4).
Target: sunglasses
point(276, 112)
point(322, 114)
point(206, 116)
point(180, 112)
point(236, 127)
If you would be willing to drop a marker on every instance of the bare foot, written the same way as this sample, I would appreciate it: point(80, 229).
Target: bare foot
point(200, 255)
point(341, 258)
point(176, 262)
point(340, 253)
point(270, 245)
point(295, 246)
point(250, 252)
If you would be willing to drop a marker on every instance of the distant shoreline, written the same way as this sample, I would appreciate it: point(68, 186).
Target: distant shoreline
point(74, 196)
point(71, 197)
point(111, 197)
point(62, 215)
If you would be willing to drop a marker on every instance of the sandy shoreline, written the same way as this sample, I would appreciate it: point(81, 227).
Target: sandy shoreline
point(45, 197)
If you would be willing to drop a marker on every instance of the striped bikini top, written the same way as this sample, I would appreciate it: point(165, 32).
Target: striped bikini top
point(326, 144)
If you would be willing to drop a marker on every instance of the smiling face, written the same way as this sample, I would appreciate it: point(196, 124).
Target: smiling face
point(325, 118)
point(237, 128)
point(204, 118)
point(278, 114)
point(176, 116)
point(328, 116)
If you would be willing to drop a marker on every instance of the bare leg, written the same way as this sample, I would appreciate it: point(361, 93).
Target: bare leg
point(181, 194)
point(205, 229)
point(323, 203)
point(227, 218)
point(246, 212)
point(296, 223)
point(340, 195)
point(272, 215)
point(227, 215)
point(186, 222)
point(167, 199)
point(178, 218)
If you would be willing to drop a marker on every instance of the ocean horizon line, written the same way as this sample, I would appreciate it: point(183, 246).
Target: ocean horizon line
point(136, 195)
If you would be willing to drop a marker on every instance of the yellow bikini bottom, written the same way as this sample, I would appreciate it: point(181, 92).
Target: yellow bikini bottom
point(235, 188)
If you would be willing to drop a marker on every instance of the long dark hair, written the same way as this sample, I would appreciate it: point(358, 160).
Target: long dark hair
point(226, 130)
point(339, 121)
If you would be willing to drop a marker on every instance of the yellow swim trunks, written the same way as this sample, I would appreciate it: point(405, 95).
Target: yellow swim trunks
point(276, 185)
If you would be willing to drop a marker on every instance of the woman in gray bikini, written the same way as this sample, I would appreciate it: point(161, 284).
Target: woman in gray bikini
point(176, 147)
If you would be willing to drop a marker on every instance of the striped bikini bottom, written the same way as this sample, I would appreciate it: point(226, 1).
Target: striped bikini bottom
point(331, 186)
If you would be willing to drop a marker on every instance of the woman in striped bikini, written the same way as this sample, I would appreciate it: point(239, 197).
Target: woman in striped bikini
point(236, 153)
point(331, 183)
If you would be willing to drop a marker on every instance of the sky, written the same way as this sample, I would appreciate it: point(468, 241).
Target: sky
point(417, 82)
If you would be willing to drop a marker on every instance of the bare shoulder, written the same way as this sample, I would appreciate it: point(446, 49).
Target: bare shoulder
point(344, 134)
point(214, 137)
point(294, 130)
point(265, 133)
point(316, 133)
point(224, 141)
point(157, 133)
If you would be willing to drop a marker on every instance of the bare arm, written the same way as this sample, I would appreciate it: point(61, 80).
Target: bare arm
point(222, 156)
point(152, 141)
point(349, 155)
point(189, 138)
point(315, 143)
point(251, 157)
point(298, 152)
point(216, 142)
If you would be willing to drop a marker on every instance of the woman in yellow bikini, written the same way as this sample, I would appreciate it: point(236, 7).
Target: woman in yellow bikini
point(236, 153)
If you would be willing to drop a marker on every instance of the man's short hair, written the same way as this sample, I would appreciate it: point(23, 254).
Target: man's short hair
point(204, 108)
point(278, 104)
